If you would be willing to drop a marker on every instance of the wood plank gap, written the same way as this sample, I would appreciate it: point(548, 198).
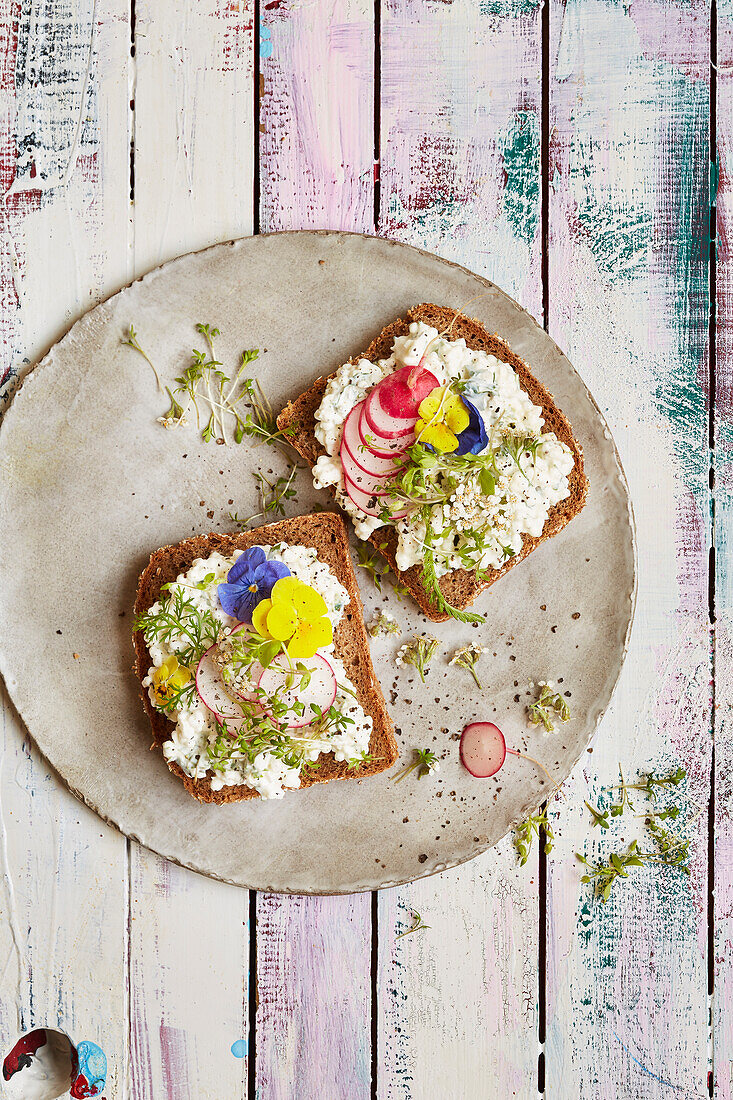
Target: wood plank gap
point(712, 389)
point(375, 994)
point(545, 161)
point(253, 993)
point(377, 109)
point(256, 127)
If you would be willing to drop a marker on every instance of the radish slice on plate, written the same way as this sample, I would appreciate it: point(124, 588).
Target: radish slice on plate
point(358, 450)
point(400, 393)
point(370, 503)
point(321, 690)
point(380, 445)
point(383, 424)
point(212, 691)
point(483, 749)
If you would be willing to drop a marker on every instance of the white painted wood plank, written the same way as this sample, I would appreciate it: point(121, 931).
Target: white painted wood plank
point(63, 153)
point(460, 171)
point(193, 160)
point(627, 982)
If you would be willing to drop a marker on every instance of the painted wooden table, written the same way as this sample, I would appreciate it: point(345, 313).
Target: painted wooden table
point(579, 154)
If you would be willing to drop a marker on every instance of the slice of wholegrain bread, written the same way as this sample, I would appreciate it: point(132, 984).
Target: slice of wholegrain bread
point(327, 534)
point(461, 586)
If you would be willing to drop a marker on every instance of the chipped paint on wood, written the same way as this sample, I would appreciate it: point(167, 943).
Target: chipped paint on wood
point(628, 301)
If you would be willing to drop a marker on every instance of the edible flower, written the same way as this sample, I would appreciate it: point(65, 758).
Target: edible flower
point(473, 439)
point(169, 678)
point(250, 580)
point(442, 417)
point(296, 614)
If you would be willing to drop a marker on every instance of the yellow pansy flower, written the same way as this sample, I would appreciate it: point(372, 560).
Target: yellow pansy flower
point(296, 614)
point(442, 419)
point(169, 678)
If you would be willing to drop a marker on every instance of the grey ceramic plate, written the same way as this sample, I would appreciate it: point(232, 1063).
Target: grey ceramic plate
point(91, 484)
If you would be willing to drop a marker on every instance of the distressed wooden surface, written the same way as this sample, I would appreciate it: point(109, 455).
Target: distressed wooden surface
point(112, 943)
point(628, 300)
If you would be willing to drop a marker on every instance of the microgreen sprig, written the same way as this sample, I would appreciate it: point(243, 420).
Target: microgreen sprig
point(525, 833)
point(418, 925)
point(133, 342)
point(467, 657)
point(425, 762)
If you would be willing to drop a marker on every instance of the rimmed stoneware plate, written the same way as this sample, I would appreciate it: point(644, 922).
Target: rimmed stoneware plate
point(91, 484)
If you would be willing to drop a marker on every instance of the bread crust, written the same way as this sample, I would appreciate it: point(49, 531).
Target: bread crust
point(325, 532)
point(460, 587)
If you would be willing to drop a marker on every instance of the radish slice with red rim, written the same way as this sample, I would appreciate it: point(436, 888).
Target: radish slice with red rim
point(353, 444)
point(380, 445)
point(320, 691)
point(213, 692)
point(370, 503)
point(366, 482)
point(382, 423)
point(400, 393)
point(483, 749)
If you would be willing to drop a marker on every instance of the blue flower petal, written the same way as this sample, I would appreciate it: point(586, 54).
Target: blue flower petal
point(474, 438)
point(230, 596)
point(246, 563)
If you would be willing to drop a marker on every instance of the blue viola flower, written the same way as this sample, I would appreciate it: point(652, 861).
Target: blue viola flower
point(250, 580)
point(474, 438)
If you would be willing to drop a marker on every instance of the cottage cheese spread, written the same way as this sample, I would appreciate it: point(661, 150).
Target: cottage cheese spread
point(195, 724)
point(526, 488)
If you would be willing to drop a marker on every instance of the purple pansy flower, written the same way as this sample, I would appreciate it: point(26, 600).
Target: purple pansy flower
point(250, 581)
point(472, 439)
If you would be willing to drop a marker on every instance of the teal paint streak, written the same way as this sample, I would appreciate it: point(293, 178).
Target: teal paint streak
point(685, 215)
point(618, 238)
point(508, 7)
point(521, 151)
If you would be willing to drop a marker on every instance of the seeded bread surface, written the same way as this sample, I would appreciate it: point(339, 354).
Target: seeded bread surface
point(461, 586)
point(327, 534)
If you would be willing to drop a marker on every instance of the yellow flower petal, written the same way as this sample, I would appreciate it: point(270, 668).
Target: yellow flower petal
point(440, 437)
point(285, 589)
point(281, 620)
point(456, 416)
point(430, 404)
point(259, 618)
point(308, 603)
point(309, 637)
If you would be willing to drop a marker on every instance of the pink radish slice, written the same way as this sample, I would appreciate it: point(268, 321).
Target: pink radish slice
point(379, 445)
point(366, 482)
point(321, 690)
point(212, 690)
point(401, 393)
point(371, 503)
point(483, 749)
point(362, 457)
point(383, 424)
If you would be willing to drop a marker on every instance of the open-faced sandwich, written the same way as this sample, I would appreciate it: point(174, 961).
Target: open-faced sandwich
point(447, 454)
point(254, 662)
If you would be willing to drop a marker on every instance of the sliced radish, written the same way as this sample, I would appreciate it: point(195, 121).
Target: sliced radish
point(401, 393)
point(354, 445)
point(368, 483)
point(383, 424)
point(483, 749)
point(382, 446)
point(321, 690)
point(212, 690)
point(372, 504)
